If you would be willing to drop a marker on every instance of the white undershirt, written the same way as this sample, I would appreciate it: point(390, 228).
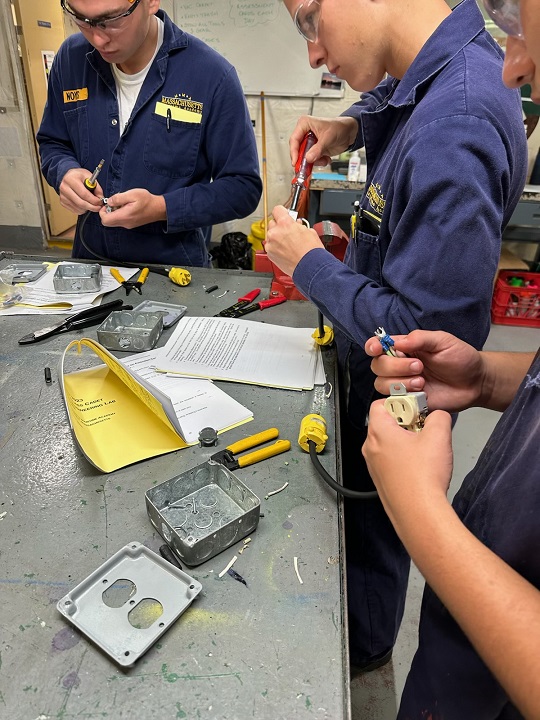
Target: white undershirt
point(128, 86)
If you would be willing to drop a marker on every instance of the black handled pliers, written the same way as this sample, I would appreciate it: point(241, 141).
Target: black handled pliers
point(91, 316)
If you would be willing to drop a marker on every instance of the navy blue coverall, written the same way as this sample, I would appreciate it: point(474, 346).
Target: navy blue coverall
point(447, 158)
point(205, 164)
point(499, 503)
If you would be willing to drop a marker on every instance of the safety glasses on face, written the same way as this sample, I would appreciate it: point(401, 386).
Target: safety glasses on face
point(506, 15)
point(306, 19)
point(102, 23)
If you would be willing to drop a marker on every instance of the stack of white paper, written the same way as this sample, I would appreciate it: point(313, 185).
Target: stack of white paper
point(197, 403)
point(241, 351)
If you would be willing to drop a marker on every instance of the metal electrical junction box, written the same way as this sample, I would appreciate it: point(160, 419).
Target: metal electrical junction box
point(77, 278)
point(130, 330)
point(203, 511)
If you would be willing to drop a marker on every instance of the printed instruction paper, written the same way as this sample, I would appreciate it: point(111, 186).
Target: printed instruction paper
point(197, 403)
point(241, 351)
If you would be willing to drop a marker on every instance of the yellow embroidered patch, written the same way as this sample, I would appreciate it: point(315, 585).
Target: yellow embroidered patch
point(75, 95)
point(376, 199)
point(175, 112)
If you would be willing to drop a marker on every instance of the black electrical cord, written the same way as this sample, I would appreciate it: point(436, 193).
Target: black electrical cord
point(92, 252)
point(353, 494)
point(320, 322)
point(153, 268)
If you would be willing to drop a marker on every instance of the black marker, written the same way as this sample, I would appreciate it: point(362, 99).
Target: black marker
point(48, 377)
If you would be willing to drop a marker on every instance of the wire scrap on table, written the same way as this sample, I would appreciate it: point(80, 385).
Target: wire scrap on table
point(274, 492)
point(228, 567)
point(297, 571)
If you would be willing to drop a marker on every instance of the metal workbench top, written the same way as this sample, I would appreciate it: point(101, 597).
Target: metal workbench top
point(275, 649)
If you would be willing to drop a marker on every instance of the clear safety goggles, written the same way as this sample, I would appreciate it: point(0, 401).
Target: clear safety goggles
point(306, 19)
point(506, 15)
point(104, 23)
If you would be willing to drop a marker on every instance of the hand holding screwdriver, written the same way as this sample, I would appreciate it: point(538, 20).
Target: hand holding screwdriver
point(79, 192)
point(302, 174)
point(334, 136)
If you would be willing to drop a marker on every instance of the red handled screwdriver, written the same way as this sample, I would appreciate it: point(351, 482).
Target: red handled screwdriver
point(302, 174)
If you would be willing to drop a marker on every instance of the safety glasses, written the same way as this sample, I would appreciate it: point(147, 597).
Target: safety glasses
point(103, 23)
point(306, 19)
point(506, 15)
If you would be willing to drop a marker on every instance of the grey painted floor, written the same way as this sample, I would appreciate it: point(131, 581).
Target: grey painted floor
point(375, 696)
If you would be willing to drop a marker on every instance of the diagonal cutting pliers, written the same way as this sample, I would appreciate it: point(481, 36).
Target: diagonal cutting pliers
point(226, 457)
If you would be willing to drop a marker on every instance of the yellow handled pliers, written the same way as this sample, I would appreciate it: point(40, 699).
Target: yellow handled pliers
point(226, 457)
point(130, 285)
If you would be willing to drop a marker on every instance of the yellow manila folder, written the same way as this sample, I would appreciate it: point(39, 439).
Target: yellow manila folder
point(117, 419)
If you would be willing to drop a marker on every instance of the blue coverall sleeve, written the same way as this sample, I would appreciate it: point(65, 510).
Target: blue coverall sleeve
point(445, 222)
point(229, 144)
point(56, 151)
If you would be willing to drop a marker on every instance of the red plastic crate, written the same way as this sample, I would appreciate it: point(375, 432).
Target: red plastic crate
point(514, 304)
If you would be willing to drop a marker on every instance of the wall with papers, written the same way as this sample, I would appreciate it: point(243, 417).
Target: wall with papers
point(258, 38)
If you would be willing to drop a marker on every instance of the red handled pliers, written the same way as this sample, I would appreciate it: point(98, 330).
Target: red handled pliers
point(242, 302)
point(261, 305)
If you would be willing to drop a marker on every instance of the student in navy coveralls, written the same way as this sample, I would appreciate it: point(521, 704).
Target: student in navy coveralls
point(168, 115)
point(478, 656)
point(446, 163)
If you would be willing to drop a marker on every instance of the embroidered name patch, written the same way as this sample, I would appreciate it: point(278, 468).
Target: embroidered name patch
point(75, 95)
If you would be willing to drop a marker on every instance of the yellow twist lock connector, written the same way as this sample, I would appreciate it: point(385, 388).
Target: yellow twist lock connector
point(179, 276)
point(313, 427)
point(326, 338)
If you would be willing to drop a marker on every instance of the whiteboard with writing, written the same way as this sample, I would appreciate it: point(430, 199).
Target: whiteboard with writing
point(258, 37)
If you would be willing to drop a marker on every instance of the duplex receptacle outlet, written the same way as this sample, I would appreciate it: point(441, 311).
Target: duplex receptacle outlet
point(408, 409)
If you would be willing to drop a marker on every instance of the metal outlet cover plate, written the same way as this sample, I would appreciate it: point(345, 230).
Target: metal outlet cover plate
point(128, 330)
point(77, 278)
point(145, 581)
point(203, 511)
point(25, 272)
point(171, 313)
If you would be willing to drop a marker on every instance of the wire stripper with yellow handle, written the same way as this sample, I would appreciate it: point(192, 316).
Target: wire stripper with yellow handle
point(226, 457)
point(130, 285)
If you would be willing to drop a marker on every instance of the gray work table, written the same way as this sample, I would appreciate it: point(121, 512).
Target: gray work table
point(275, 649)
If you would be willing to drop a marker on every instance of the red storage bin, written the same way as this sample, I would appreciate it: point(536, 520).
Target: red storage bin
point(514, 303)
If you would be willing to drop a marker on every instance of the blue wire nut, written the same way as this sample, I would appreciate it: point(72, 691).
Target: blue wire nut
point(386, 341)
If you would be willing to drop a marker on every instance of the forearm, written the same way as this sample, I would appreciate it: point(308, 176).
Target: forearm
point(56, 160)
point(503, 373)
point(357, 304)
point(498, 610)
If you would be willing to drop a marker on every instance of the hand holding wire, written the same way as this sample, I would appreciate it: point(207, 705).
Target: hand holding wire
point(133, 208)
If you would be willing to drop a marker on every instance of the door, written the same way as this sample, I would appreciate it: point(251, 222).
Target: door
point(42, 26)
